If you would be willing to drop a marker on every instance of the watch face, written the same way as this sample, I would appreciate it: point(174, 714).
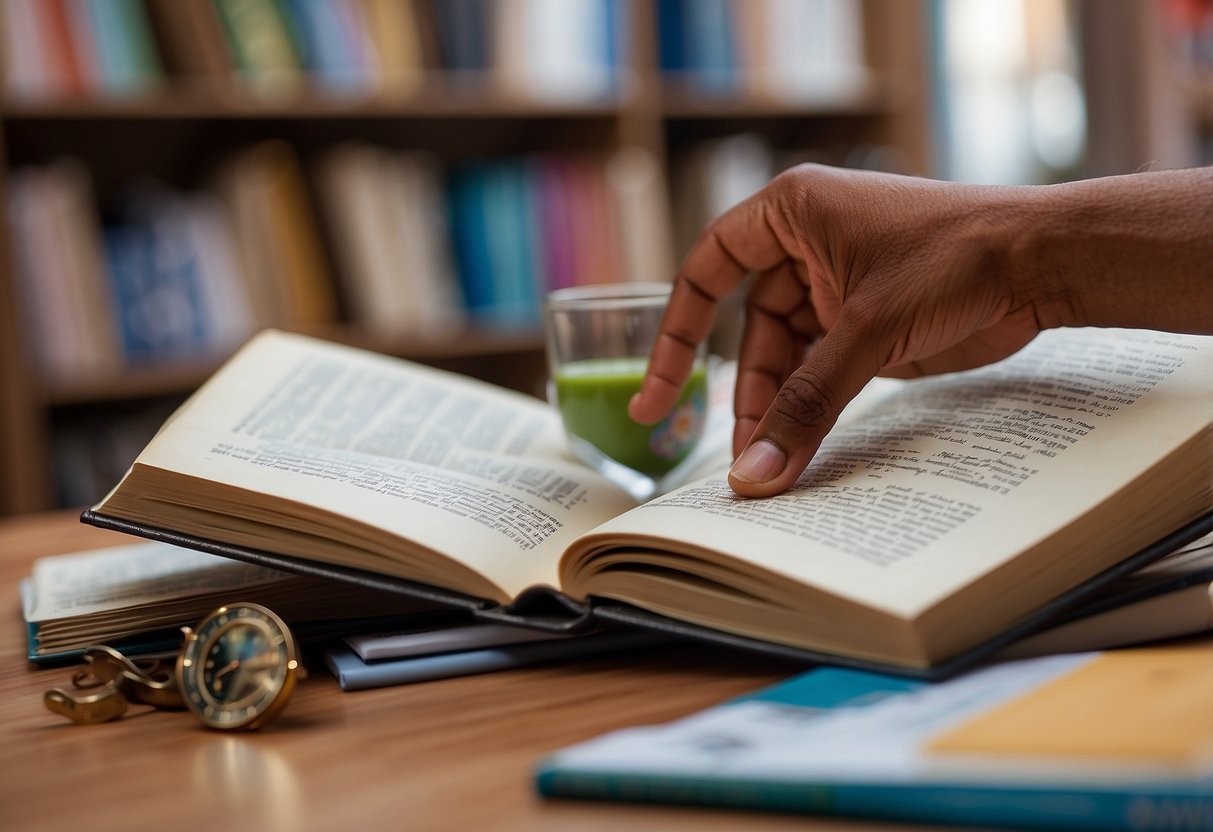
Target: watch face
point(238, 667)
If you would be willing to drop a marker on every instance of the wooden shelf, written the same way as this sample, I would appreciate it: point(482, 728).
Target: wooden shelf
point(190, 103)
point(679, 101)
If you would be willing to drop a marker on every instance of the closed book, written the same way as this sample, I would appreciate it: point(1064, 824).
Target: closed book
point(469, 227)
point(127, 55)
point(556, 50)
point(77, 222)
point(158, 280)
point(353, 673)
point(140, 596)
point(1115, 741)
point(260, 40)
point(709, 48)
point(75, 45)
point(26, 63)
point(462, 30)
point(395, 29)
point(192, 40)
point(277, 236)
point(334, 45)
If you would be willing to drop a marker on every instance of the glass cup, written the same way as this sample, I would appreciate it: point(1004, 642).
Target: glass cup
point(598, 342)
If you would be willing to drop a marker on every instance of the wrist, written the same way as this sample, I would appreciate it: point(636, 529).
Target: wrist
point(1125, 251)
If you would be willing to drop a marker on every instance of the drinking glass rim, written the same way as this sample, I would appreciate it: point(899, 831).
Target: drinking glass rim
point(610, 295)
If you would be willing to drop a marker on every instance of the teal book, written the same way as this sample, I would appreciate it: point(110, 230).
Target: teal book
point(469, 231)
point(126, 48)
point(1100, 741)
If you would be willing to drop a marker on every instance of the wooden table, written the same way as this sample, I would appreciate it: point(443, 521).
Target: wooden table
point(455, 754)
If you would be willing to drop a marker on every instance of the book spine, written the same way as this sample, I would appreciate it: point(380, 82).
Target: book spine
point(354, 674)
point(127, 59)
point(1175, 809)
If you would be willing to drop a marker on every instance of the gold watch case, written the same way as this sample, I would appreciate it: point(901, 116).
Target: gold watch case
point(238, 667)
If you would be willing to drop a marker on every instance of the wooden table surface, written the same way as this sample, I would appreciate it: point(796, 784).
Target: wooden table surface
point(454, 754)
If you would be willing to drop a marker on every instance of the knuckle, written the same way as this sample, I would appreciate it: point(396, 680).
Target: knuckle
point(804, 400)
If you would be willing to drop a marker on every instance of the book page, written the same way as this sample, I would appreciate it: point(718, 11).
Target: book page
point(946, 481)
point(342, 440)
point(127, 576)
point(299, 390)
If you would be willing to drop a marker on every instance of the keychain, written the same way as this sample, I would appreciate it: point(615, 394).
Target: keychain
point(236, 670)
point(112, 681)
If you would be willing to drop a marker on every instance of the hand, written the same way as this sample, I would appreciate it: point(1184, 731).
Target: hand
point(902, 277)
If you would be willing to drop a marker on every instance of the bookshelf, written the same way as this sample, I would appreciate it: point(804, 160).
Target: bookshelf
point(1148, 68)
point(647, 132)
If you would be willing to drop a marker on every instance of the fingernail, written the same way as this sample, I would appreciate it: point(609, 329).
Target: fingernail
point(761, 462)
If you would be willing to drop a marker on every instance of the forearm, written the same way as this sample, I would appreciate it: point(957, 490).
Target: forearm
point(1132, 251)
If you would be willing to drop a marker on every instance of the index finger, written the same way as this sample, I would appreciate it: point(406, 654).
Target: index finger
point(741, 240)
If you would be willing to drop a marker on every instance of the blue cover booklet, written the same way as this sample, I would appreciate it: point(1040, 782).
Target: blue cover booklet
point(1098, 741)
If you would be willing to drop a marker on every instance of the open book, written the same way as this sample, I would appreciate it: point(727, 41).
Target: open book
point(940, 519)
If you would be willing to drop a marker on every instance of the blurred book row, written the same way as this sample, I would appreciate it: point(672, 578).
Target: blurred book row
point(387, 240)
point(350, 47)
point(781, 49)
point(543, 49)
point(1191, 26)
point(390, 242)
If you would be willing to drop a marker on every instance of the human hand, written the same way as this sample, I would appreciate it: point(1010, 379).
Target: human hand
point(889, 275)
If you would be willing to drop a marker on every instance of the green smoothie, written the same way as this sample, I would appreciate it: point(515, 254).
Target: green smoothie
point(593, 399)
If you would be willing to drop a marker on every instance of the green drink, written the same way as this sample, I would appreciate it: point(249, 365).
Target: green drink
point(593, 397)
point(599, 338)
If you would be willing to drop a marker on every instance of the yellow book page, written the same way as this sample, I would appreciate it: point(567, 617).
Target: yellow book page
point(1153, 705)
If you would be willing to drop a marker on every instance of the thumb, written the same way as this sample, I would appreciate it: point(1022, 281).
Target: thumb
point(806, 408)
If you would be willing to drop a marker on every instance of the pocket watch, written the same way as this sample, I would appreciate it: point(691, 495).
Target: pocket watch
point(238, 667)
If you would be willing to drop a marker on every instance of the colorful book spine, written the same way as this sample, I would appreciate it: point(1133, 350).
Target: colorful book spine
point(262, 44)
point(126, 50)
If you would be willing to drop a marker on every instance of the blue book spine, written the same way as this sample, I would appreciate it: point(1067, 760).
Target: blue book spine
point(354, 674)
point(323, 48)
point(177, 296)
point(614, 43)
point(155, 280)
point(670, 26)
point(462, 27)
point(709, 49)
point(496, 239)
point(468, 232)
point(124, 274)
point(517, 253)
